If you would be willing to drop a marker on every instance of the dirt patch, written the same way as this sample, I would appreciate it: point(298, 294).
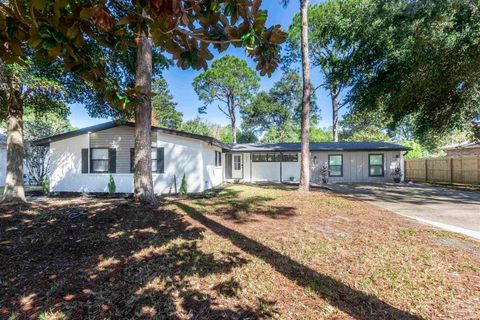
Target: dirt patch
point(245, 252)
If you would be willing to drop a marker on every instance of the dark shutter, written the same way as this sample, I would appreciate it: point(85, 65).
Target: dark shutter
point(160, 160)
point(112, 160)
point(132, 158)
point(219, 158)
point(84, 160)
point(216, 158)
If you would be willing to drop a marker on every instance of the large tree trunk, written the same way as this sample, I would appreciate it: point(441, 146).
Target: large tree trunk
point(305, 152)
point(142, 178)
point(14, 191)
point(334, 93)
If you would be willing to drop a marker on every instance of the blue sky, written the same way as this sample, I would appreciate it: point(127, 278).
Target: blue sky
point(180, 81)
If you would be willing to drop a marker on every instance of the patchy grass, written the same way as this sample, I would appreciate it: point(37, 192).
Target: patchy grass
point(244, 252)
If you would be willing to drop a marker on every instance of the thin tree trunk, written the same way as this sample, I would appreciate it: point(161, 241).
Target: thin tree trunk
point(142, 179)
point(305, 151)
point(234, 131)
point(14, 191)
point(233, 119)
point(334, 94)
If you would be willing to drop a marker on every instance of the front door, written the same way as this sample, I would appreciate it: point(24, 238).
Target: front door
point(237, 166)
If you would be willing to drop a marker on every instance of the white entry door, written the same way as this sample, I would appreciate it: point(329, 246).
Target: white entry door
point(237, 166)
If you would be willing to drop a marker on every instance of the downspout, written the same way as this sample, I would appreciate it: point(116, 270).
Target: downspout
point(89, 152)
point(281, 162)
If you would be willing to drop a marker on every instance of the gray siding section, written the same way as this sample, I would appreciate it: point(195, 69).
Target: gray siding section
point(121, 138)
point(355, 166)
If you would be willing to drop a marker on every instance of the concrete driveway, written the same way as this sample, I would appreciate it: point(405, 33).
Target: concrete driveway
point(450, 209)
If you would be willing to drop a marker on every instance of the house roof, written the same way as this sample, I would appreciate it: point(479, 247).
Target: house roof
point(112, 124)
point(249, 147)
point(465, 145)
point(319, 146)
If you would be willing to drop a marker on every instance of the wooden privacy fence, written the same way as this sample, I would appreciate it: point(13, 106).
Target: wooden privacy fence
point(459, 169)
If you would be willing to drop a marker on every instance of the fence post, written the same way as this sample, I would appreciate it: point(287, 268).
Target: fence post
point(451, 169)
point(426, 170)
point(478, 169)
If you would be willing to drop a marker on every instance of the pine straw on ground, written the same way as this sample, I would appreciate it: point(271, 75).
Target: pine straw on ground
point(245, 252)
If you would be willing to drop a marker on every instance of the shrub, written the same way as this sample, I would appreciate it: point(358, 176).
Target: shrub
point(46, 185)
point(183, 185)
point(111, 185)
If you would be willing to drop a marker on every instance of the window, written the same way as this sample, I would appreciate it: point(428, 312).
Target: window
point(99, 161)
point(237, 162)
point(218, 158)
point(335, 165)
point(290, 157)
point(275, 157)
point(154, 159)
point(375, 165)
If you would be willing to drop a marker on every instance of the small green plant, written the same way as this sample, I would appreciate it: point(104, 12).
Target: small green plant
point(111, 185)
point(183, 186)
point(46, 186)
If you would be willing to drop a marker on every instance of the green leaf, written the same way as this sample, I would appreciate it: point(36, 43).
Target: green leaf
point(39, 4)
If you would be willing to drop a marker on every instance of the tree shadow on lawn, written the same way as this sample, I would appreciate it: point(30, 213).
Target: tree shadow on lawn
point(351, 301)
point(231, 206)
point(113, 260)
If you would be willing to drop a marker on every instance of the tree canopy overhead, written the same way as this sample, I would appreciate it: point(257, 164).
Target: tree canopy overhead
point(420, 59)
point(276, 114)
point(185, 29)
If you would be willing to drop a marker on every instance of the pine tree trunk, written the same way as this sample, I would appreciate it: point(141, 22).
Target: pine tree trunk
point(334, 94)
point(234, 131)
point(233, 118)
point(305, 150)
point(142, 178)
point(14, 191)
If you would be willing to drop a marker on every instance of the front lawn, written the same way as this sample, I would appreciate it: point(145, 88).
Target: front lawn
point(247, 252)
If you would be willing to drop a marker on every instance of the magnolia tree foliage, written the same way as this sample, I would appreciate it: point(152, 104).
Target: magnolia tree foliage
point(185, 29)
point(230, 84)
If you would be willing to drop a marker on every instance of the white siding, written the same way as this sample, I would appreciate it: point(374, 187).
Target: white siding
point(66, 157)
point(3, 164)
point(194, 158)
point(265, 171)
point(291, 169)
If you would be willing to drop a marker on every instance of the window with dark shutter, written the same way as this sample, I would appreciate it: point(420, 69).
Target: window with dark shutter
point(219, 159)
point(112, 160)
point(132, 158)
point(160, 160)
point(84, 160)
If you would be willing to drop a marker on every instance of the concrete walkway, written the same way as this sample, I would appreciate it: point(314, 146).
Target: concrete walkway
point(450, 209)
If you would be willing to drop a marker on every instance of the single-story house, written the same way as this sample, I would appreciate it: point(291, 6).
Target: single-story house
point(462, 149)
point(3, 158)
point(83, 159)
